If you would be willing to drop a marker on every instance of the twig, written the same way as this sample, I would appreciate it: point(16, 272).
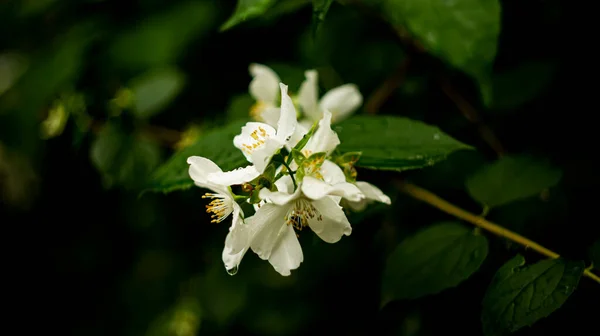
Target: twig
point(471, 114)
point(434, 200)
point(385, 90)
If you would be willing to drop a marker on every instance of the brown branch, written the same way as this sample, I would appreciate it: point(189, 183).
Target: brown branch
point(432, 199)
point(385, 90)
point(469, 112)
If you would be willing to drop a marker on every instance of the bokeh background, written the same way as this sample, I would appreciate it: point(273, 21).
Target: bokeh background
point(87, 255)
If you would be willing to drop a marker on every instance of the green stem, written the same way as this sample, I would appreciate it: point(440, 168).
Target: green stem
point(291, 174)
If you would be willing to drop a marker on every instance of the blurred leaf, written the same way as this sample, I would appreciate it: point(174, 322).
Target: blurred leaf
point(511, 178)
point(183, 319)
point(245, 10)
point(159, 40)
point(462, 32)
point(34, 7)
point(393, 143)
point(520, 296)
point(122, 158)
point(434, 259)
point(154, 90)
point(520, 85)
point(320, 9)
point(239, 107)
point(283, 7)
point(596, 254)
point(12, 66)
point(50, 71)
point(55, 122)
point(217, 145)
point(222, 295)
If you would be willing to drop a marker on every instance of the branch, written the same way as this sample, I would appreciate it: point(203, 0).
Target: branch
point(385, 90)
point(435, 201)
point(471, 114)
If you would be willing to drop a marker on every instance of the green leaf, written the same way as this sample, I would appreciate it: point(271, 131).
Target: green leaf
point(217, 145)
point(520, 85)
point(511, 178)
point(246, 10)
point(123, 159)
point(394, 143)
point(320, 9)
point(154, 90)
point(159, 40)
point(437, 258)
point(462, 32)
point(520, 296)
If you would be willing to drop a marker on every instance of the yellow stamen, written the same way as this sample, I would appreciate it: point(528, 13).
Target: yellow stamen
point(301, 213)
point(257, 109)
point(219, 207)
point(259, 137)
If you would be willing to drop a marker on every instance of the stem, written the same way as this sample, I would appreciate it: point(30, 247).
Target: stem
point(387, 88)
point(291, 173)
point(434, 200)
point(469, 112)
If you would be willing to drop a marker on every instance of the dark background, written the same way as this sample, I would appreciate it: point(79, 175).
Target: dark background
point(86, 258)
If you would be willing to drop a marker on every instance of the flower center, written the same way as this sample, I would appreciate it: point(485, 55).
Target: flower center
point(219, 208)
point(257, 139)
point(301, 212)
point(312, 165)
point(257, 109)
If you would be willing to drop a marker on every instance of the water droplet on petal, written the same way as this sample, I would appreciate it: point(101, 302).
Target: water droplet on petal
point(232, 271)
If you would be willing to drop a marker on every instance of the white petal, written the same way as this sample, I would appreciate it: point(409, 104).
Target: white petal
point(236, 176)
point(299, 132)
point(279, 197)
point(261, 157)
point(200, 168)
point(308, 96)
point(332, 173)
point(317, 189)
point(285, 184)
point(342, 101)
point(287, 117)
point(287, 253)
point(372, 192)
point(324, 139)
point(270, 115)
point(265, 83)
point(357, 206)
point(232, 260)
point(267, 225)
point(332, 223)
point(258, 142)
point(237, 243)
point(238, 237)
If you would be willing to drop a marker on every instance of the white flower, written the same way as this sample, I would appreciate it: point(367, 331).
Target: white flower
point(222, 205)
point(341, 101)
point(264, 88)
point(273, 226)
point(259, 141)
point(372, 193)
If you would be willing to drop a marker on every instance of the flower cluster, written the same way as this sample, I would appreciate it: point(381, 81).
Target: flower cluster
point(294, 178)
